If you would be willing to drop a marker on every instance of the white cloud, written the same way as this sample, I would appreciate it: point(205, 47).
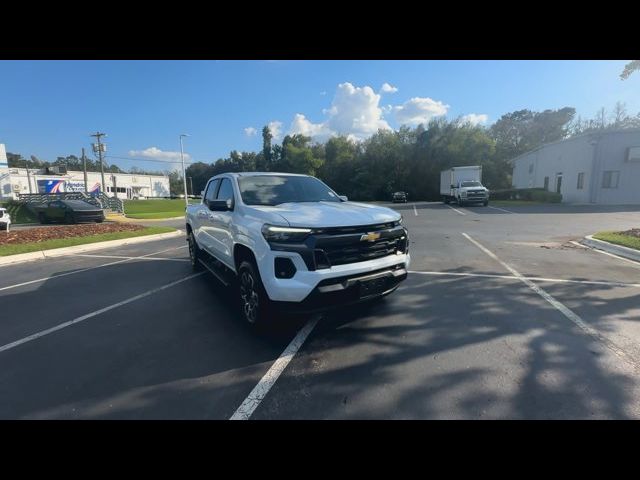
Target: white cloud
point(475, 118)
point(250, 131)
point(419, 110)
point(317, 131)
point(157, 154)
point(275, 128)
point(354, 111)
point(387, 88)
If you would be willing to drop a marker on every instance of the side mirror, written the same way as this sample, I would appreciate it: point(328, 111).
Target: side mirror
point(344, 198)
point(202, 193)
point(219, 205)
point(453, 186)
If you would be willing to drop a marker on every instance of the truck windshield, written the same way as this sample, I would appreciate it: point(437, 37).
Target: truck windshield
point(471, 184)
point(276, 189)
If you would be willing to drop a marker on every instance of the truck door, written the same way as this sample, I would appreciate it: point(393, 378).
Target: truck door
point(56, 210)
point(222, 242)
point(202, 227)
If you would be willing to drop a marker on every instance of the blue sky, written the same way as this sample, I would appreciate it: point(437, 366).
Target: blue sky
point(48, 108)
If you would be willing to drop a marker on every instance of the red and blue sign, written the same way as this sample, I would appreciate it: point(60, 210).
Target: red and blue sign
point(50, 186)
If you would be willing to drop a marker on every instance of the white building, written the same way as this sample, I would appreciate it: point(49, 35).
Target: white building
point(14, 181)
point(600, 168)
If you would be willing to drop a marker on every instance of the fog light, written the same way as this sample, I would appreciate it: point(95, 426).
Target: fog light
point(284, 268)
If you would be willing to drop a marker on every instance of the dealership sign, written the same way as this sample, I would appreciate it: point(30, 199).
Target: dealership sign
point(59, 186)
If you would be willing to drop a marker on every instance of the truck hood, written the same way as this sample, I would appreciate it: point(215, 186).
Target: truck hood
point(331, 214)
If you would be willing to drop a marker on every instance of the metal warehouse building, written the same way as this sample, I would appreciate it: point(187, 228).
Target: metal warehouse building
point(15, 181)
point(599, 168)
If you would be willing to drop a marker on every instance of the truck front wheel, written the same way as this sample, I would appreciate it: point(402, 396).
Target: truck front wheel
point(194, 252)
point(254, 301)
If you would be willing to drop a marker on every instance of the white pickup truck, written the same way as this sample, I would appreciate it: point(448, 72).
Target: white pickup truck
point(289, 241)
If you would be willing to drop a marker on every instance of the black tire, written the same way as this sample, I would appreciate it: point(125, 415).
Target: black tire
point(69, 218)
point(194, 253)
point(446, 200)
point(42, 218)
point(255, 305)
point(460, 202)
point(100, 220)
point(485, 203)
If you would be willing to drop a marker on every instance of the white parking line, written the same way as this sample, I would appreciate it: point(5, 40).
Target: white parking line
point(415, 210)
point(461, 213)
point(568, 313)
point(30, 282)
point(501, 209)
point(533, 279)
point(42, 333)
point(133, 258)
point(246, 409)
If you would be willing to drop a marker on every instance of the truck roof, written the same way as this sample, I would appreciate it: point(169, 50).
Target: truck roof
point(254, 174)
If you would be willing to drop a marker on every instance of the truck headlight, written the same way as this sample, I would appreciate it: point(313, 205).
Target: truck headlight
point(273, 233)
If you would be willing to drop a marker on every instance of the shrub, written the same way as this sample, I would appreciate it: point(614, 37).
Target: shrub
point(529, 194)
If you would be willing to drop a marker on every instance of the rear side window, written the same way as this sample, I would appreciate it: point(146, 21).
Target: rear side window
point(210, 194)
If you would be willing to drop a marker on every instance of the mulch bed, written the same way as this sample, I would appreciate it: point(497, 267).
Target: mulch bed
point(634, 232)
point(40, 234)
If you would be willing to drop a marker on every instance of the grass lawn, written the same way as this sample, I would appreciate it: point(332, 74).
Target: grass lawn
point(155, 209)
point(12, 249)
point(619, 238)
point(19, 212)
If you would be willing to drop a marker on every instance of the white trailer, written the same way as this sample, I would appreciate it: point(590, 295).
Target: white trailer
point(463, 185)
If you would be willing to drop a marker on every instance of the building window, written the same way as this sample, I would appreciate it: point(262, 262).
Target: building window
point(531, 168)
point(610, 179)
point(546, 183)
point(580, 181)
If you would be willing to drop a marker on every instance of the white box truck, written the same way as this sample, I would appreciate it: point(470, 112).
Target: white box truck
point(463, 185)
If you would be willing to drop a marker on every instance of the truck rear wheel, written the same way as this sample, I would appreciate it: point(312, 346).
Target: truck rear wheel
point(254, 301)
point(446, 200)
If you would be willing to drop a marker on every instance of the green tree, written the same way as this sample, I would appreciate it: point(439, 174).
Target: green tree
point(266, 147)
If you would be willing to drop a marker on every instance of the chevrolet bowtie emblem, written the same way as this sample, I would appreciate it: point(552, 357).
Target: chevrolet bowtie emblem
point(370, 237)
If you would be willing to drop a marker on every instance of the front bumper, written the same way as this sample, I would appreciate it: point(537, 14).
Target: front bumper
point(347, 290)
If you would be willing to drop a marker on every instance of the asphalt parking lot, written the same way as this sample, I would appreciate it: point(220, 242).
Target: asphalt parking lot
point(502, 317)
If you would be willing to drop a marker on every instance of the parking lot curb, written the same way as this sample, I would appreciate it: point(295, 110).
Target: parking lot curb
point(60, 252)
point(626, 252)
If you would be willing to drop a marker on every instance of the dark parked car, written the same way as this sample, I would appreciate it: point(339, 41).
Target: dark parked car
point(70, 211)
point(400, 197)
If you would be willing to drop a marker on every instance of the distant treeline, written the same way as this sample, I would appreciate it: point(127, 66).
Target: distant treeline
point(411, 159)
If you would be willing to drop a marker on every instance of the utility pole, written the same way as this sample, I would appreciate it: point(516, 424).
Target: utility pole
point(184, 172)
point(99, 148)
point(84, 167)
point(191, 184)
point(28, 176)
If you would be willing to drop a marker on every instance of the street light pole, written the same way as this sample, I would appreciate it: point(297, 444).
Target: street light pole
point(184, 172)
